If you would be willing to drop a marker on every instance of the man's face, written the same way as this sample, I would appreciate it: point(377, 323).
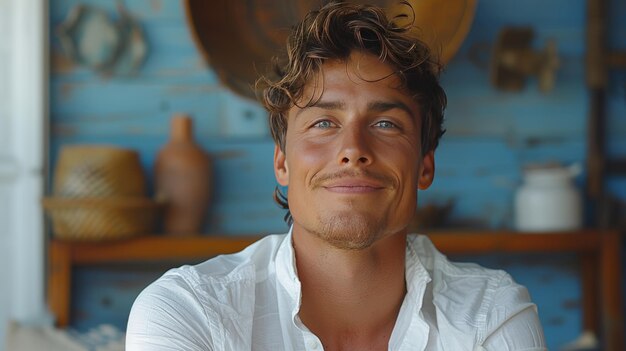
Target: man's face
point(352, 160)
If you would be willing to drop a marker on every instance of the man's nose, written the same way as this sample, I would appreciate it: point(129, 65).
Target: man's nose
point(354, 147)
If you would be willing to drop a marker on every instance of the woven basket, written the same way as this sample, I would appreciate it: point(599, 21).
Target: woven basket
point(98, 219)
point(98, 171)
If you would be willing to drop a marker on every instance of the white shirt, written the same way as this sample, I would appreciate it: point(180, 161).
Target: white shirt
point(250, 301)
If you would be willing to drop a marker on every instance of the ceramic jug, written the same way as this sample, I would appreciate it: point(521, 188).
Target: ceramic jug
point(183, 180)
point(548, 200)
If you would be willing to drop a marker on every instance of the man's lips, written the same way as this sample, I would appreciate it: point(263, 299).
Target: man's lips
point(351, 181)
point(353, 186)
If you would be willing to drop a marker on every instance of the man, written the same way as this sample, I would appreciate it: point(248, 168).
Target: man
point(356, 114)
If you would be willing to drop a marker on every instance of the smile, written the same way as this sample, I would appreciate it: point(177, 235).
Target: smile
point(352, 189)
point(353, 186)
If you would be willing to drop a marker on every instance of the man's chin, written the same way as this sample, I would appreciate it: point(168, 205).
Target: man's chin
point(349, 231)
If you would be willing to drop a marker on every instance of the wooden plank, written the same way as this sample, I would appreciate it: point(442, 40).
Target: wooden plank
point(514, 242)
point(611, 301)
point(176, 248)
point(59, 281)
point(158, 248)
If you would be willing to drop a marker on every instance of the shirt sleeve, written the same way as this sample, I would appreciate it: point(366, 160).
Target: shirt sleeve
point(513, 322)
point(167, 315)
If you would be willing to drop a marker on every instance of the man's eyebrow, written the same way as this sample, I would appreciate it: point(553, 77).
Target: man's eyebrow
point(374, 106)
point(382, 106)
point(325, 105)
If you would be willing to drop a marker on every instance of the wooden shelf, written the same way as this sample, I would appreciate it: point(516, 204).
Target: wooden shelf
point(600, 253)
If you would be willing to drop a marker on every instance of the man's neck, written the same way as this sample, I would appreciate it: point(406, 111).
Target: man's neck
point(351, 298)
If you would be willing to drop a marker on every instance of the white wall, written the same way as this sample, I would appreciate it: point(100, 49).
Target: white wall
point(23, 85)
point(6, 170)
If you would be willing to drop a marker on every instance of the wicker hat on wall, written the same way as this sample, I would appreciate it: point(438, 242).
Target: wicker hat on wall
point(99, 192)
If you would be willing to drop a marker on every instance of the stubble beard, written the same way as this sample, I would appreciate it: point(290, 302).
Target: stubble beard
point(349, 230)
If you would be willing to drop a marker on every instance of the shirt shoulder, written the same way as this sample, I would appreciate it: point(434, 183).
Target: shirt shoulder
point(168, 314)
point(259, 257)
point(476, 300)
point(196, 306)
point(455, 275)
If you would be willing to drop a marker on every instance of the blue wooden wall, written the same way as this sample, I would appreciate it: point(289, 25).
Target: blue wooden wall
point(491, 135)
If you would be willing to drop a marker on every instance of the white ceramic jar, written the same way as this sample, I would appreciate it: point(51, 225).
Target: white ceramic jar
point(548, 200)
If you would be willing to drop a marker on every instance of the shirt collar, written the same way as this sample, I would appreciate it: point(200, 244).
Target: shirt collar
point(411, 330)
point(416, 276)
point(286, 272)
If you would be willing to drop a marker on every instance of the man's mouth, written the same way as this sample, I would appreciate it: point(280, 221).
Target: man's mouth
point(353, 186)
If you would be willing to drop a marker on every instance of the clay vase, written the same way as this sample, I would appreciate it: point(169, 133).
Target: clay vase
point(183, 177)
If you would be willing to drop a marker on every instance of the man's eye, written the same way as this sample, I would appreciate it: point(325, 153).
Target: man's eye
point(323, 124)
point(385, 124)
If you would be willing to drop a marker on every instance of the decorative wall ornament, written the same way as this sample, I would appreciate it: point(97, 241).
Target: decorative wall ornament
point(514, 60)
point(90, 37)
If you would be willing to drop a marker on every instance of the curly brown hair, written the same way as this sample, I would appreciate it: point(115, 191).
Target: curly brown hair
point(335, 31)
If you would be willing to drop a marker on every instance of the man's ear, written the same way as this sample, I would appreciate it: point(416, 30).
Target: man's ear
point(427, 171)
point(281, 171)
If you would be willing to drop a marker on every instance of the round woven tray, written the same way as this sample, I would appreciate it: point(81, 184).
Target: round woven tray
point(98, 219)
point(238, 38)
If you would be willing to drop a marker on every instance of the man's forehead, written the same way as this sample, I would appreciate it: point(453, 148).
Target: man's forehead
point(361, 68)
